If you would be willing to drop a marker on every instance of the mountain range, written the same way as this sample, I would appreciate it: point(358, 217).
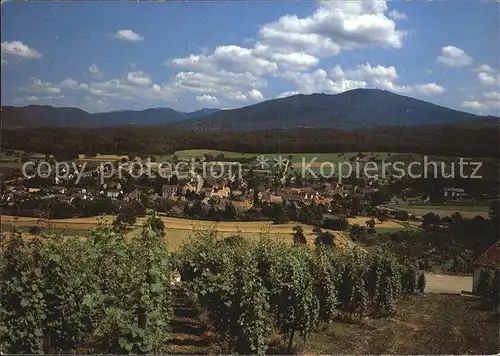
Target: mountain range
point(43, 115)
point(354, 109)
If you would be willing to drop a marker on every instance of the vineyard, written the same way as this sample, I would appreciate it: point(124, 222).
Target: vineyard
point(109, 294)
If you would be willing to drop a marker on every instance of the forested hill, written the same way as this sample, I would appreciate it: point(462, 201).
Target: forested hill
point(354, 109)
point(43, 115)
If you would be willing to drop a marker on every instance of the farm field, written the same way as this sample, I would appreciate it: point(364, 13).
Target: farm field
point(179, 230)
point(101, 158)
point(468, 211)
point(489, 168)
point(296, 157)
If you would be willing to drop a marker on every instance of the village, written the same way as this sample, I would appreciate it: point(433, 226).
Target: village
point(228, 190)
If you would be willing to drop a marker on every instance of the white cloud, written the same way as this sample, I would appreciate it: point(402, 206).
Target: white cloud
point(335, 26)
point(119, 88)
point(207, 99)
point(139, 78)
point(286, 94)
point(128, 35)
point(254, 94)
point(230, 85)
point(492, 95)
point(319, 82)
point(39, 86)
point(123, 89)
point(289, 45)
point(365, 75)
point(452, 56)
point(94, 70)
point(485, 104)
point(487, 79)
point(485, 68)
point(396, 15)
point(475, 105)
point(429, 88)
point(72, 84)
point(37, 99)
point(228, 58)
point(19, 49)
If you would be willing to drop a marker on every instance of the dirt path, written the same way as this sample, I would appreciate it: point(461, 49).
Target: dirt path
point(438, 283)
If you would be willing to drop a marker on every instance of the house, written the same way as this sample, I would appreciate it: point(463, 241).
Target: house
point(489, 260)
point(237, 193)
point(242, 206)
point(58, 189)
point(293, 197)
point(169, 190)
point(176, 210)
point(113, 194)
point(112, 185)
point(135, 195)
point(454, 193)
point(189, 188)
point(206, 191)
point(322, 201)
point(221, 193)
point(365, 191)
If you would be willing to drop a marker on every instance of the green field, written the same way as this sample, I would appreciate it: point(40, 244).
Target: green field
point(296, 157)
point(489, 168)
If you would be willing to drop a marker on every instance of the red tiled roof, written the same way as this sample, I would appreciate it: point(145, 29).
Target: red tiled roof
point(491, 257)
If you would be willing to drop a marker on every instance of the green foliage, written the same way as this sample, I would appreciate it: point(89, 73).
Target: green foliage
point(105, 294)
point(410, 279)
point(488, 287)
point(353, 294)
point(247, 287)
point(324, 238)
point(421, 283)
point(298, 236)
point(293, 295)
point(224, 284)
point(102, 294)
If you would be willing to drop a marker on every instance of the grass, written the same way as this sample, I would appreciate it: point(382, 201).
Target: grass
point(384, 230)
point(423, 324)
point(445, 207)
point(296, 157)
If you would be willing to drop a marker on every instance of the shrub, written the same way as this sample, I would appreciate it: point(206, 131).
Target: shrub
point(421, 283)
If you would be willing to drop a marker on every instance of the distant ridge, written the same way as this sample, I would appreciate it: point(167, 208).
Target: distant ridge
point(44, 115)
point(354, 109)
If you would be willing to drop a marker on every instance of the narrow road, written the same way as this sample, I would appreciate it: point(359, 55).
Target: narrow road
point(438, 283)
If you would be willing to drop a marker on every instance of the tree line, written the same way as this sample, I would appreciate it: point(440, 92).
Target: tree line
point(438, 140)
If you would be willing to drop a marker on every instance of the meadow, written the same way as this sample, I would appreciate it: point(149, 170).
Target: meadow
point(177, 230)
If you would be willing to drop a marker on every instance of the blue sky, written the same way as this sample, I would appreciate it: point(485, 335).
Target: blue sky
point(103, 56)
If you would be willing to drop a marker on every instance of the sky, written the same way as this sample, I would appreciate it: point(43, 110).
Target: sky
point(107, 56)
